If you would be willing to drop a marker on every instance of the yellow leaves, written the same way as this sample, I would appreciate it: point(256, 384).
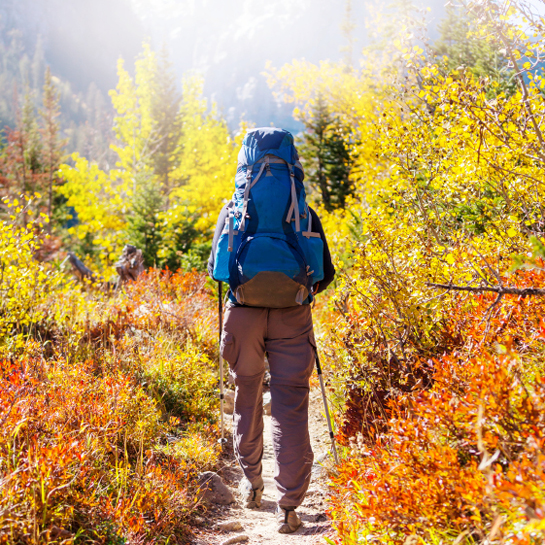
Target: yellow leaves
point(99, 201)
point(450, 259)
point(207, 159)
point(24, 282)
point(133, 103)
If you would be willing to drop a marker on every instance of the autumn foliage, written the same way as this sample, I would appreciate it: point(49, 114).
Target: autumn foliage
point(436, 367)
point(430, 160)
point(465, 454)
point(102, 432)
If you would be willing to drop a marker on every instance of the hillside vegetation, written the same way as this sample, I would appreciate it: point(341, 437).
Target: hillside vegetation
point(425, 161)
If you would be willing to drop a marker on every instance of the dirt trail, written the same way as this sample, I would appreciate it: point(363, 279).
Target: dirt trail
point(260, 524)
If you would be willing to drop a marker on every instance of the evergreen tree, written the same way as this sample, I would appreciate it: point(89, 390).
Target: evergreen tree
point(52, 146)
point(28, 127)
point(38, 64)
point(148, 121)
point(326, 157)
point(20, 161)
point(167, 124)
point(179, 246)
point(144, 223)
point(98, 133)
point(463, 49)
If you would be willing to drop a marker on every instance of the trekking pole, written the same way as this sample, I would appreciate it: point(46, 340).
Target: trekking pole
point(220, 313)
point(329, 425)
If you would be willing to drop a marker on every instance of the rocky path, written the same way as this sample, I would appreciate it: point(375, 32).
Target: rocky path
point(259, 526)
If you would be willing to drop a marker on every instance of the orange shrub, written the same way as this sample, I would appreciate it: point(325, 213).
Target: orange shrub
point(464, 455)
point(104, 426)
point(76, 458)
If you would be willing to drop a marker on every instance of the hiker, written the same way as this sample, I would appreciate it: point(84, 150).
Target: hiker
point(270, 247)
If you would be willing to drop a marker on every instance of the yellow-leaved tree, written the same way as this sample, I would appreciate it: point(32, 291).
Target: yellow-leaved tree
point(207, 157)
point(176, 162)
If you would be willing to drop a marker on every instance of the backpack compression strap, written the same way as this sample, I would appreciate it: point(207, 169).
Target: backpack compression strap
point(294, 203)
point(309, 233)
point(272, 159)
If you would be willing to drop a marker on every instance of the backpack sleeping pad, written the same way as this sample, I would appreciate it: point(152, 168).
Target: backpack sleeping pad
point(267, 252)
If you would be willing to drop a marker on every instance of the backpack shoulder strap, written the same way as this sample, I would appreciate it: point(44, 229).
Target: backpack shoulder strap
point(249, 185)
point(294, 204)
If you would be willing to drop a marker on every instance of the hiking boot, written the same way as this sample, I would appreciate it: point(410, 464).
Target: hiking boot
point(251, 497)
point(288, 520)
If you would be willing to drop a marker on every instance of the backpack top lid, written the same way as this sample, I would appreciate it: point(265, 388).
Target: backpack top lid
point(267, 141)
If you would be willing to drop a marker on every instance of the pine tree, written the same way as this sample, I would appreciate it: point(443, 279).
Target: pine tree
point(179, 240)
point(326, 158)
point(148, 122)
point(52, 146)
point(463, 50)
point(28, 126)
point(337, 165)
point(167, 124)
point(37, 65)
point(21, 159)
point(143, 224)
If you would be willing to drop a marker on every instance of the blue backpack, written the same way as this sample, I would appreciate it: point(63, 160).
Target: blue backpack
point(267, 252)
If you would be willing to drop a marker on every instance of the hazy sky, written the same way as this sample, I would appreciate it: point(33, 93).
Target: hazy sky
point(228, 41)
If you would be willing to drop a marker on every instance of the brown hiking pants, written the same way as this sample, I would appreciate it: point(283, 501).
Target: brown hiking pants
point(287, 336)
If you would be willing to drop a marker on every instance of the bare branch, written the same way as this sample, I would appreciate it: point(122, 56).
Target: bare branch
point(500, 290)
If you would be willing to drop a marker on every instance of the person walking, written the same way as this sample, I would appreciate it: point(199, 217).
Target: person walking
point(270, 247)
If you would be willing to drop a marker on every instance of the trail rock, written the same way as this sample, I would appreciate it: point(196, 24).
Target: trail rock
point(241, 538)
point(267, 403)
point(318, 467)
point(229, 526)
point(214, 490)
point(228, 402)
point(321, 458)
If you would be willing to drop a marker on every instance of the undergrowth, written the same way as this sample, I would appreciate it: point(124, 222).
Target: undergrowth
point(107, 404)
